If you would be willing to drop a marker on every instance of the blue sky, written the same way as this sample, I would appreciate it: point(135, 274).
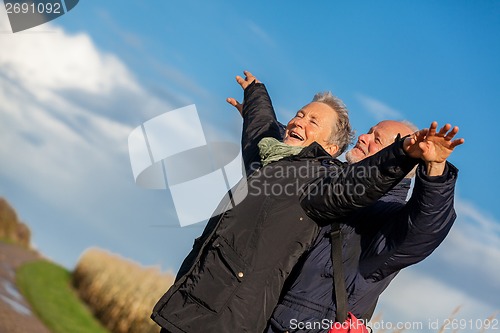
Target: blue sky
point(72, 90)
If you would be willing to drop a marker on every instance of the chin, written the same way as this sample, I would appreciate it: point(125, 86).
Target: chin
point(292, 142)
point(352, 158)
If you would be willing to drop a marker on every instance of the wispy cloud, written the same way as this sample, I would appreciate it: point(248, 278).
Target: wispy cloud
point(261, 34)
point(171, 75)
point(131, 39)
point(379, 110)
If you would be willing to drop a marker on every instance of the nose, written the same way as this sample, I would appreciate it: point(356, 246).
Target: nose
point(364, 138)
point(299, 122)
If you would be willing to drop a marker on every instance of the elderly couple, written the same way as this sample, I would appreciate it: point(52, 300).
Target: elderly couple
point(265, 264)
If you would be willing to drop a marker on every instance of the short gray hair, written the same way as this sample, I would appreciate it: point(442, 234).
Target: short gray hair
point(342, 133)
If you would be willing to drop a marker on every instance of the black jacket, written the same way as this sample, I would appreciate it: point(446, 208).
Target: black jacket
point(232, 279)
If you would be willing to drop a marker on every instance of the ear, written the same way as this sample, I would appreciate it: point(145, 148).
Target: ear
point(332, 149)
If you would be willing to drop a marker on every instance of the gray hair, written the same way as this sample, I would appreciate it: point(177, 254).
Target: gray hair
point(342, 133)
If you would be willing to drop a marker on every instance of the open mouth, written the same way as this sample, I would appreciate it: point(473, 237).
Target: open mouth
point(296, 136)
point(361, 149)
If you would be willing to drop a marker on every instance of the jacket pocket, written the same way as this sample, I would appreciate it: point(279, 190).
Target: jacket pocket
point(218, 276)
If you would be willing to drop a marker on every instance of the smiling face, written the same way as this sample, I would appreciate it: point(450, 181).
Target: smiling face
point(377, 138)
point(314, 122)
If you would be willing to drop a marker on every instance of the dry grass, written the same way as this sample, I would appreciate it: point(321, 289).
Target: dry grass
point(121, 293)
point(451, 317)
point(11, 229)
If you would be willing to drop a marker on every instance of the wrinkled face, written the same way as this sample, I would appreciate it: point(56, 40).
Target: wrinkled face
point(377, 138)
point(314, 122)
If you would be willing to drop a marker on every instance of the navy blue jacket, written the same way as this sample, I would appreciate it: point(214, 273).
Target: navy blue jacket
point(378, 241)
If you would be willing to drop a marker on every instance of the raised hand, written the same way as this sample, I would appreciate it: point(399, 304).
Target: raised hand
point(243, 82)
point(411, 143)
point(438, 146)
point(236, 104)
point(433, 147)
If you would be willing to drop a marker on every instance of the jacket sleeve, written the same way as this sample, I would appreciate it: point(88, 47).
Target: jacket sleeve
point(415, 231)
point(350, 187)
point(259, 121)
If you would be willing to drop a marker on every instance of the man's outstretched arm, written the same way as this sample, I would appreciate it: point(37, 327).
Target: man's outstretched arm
point(427, 218)
point(361, 184)
point(416, 230)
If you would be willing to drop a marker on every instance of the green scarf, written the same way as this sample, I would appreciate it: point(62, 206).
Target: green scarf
point(271, 150)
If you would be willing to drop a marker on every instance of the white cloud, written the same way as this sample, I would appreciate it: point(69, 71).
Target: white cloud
point(44, 122)
point(481, 220)
point(415, 296)
point(474, 243)
point(42, 141)
point(462, 272)
point(378, 109)
point(55, 60)
point(66, 110)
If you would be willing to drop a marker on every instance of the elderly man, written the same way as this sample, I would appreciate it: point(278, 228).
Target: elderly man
point(377, 241)
point(232, 278)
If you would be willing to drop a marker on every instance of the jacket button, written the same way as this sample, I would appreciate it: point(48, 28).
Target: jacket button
point(301, 218)
point(240, 274)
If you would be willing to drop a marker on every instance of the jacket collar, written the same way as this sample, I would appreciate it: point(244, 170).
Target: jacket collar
point(314, 150)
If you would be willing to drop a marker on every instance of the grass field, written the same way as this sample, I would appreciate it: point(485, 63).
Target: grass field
point(47, 288)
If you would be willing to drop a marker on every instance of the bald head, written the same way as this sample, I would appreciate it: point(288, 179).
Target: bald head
point(377, 138)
